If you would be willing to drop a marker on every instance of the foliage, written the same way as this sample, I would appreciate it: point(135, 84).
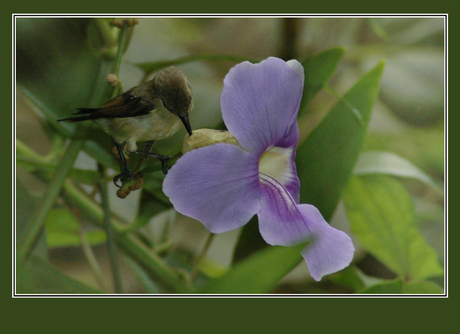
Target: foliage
point(347, 161)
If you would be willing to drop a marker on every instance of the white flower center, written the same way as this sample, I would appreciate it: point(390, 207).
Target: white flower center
point(275, 163)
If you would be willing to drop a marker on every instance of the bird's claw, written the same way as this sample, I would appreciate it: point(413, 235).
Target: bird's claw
point(126, 175)
point(164, 163)
point(164, 159)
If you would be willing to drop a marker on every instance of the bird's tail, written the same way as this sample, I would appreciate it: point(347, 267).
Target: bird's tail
point(84, 114)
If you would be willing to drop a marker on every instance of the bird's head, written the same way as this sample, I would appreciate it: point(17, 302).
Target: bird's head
point(175, 91)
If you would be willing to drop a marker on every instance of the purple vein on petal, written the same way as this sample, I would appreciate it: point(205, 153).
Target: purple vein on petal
point(280, 221)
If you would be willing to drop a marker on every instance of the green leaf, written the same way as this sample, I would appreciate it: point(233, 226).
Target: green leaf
point(258, 273)
point(249, 241)
point(349, 277)
point(318, 70)
point(62, 230)
point(424, 147)
point(386, 287)
point(391, 164)
point(422, 287)
point(325, 160)
point(398, 286)
point(37, 276)
point(381, 215)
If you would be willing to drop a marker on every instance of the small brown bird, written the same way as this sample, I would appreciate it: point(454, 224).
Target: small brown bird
point(150, 111)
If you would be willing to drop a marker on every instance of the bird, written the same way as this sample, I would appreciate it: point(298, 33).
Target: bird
point(148, 112)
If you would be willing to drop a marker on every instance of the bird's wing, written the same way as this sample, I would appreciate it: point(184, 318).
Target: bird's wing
point(124, 105)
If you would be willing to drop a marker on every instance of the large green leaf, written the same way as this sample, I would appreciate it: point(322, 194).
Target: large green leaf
point(381, 215)
point(326, 158)
point(318, 70)
point(258, 273)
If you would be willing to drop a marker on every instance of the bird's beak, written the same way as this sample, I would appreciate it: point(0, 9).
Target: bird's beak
point(186, 122)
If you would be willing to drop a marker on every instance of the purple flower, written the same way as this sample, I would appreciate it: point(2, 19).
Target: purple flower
point(224, 185)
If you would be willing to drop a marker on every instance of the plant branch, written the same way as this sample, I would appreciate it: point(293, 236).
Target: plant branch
point(123, 42)
point(290, 30)
point(111, 243)
point(201, 255)
point(155, 267)
point(91, 258)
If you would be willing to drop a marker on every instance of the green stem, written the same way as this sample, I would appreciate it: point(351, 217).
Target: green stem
point(23, 149)
point(35, 223)
point(123, 41)
point(111, 243)
point(91, 258)
point(200, 257)
point(290, 31)
point(106, 33)
point(150, 67)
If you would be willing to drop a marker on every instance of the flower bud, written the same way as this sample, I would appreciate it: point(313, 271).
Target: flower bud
point(206, 137)
point(113, 80)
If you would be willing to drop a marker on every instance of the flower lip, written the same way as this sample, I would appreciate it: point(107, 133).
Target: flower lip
point(283, 222)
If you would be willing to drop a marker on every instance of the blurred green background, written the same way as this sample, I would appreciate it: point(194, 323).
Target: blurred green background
point(408, 118)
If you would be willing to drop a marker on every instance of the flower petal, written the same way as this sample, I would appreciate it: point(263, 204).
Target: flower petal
point(217, 185)
point(331, 249)
point(283, 222)
point(295, 65)
point(260, 103)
